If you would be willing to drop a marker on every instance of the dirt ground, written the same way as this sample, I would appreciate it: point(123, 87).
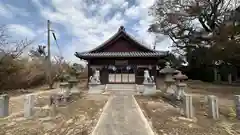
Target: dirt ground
point(167, 119)
point(42, 93)
point(77, 117)
point(19, 92)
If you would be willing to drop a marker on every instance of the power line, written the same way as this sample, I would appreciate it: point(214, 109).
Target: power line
point(59, 49)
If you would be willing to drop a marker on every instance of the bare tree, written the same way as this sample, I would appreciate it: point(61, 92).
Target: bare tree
point(191, 23)
point(11, 48)
point(57, 64)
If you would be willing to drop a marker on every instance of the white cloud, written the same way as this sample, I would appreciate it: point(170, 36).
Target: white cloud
point(90, 31)
point(21, 31)
point(9, 11)
point(4, 11)
point(117, 2)
point(133, 12)
point(105, 9)
point(124, 5)
point(145, 3)
point(17, 11)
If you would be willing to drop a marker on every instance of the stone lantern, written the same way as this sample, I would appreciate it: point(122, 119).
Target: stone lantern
point(73, 82)
point(168, 71)
point(78, 74)
point(64, 89)
point(180, 85)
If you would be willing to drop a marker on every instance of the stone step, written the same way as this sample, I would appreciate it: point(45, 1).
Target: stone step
point(121, 87)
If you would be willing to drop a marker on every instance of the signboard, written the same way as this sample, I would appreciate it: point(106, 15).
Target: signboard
point(121, 62)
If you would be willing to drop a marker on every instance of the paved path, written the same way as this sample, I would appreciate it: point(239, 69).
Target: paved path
point(122, 116)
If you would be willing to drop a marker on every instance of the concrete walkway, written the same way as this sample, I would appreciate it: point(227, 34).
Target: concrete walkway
point(122, 116)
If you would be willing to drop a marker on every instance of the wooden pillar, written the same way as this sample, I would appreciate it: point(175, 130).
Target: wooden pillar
point(154, 73)
point(135, 72)
point(215, 74)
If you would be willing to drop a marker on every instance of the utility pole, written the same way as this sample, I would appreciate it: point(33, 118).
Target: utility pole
point(49, 56)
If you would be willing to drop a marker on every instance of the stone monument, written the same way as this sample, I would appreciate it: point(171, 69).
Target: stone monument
point(94, 84)
point(149, 84)
point(179, 92)
point(168, 71)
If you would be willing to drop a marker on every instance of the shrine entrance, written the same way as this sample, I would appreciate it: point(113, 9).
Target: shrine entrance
point(121, 74)
point(122, 59)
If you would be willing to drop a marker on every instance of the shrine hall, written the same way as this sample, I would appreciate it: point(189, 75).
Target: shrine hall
point(122, 59)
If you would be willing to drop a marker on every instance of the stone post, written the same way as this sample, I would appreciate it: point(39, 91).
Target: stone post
point(28, 105)
point(4, 105)
point(237, 104)
point(213, 107)
point(187, 106)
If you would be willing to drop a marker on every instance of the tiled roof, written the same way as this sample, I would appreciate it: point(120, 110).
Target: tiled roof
point(120, 54)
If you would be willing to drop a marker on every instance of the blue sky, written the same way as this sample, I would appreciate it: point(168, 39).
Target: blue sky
point(80, 25)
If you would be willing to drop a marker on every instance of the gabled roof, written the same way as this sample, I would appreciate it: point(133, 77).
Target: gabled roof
point(121, 33)
point(96, 52)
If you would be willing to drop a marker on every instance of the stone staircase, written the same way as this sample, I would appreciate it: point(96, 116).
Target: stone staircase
point(122, 87)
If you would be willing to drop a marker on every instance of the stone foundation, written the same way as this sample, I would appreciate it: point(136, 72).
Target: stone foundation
point(149, 89)
point(96, 88)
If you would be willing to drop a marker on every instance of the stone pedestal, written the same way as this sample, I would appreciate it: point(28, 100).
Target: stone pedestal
point(28, 105)
point(237, 104)
point(187, 106)
point(149, 89)
point(95, 88)
point(4, 105)
point(140, 89)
